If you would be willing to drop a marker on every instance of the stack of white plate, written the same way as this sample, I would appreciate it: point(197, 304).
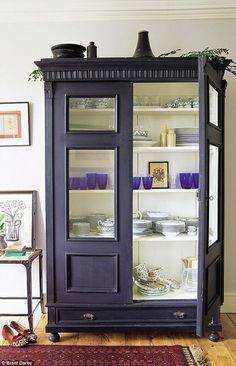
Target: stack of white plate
point(170, 228)
point(143, 141)
point(142, 227)
point(187, 136)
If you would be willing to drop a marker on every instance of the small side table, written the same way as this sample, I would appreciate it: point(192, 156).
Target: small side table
point(27, 261)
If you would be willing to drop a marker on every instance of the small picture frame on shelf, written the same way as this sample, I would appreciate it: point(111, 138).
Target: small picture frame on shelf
point(17, 219)
point(159, 170)
point(14, 124)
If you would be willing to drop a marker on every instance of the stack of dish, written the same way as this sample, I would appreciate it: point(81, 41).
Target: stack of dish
point(149, 284)
point(141, 138)
point(142, 227)
point(189, 221)
point(170, 228)
point(187, 136)
point(155, 216)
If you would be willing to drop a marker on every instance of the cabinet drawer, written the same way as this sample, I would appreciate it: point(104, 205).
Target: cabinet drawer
point(128, 314)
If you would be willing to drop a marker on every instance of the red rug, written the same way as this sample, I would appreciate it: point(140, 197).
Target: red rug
point(101, 356)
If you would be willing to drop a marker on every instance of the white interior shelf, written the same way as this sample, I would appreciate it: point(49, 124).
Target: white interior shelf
point(179, 294)
point(138, 109)
point(155, 237)
point(91, 110)
point(157, 109)
point(165, 190)
point(90, 191)
point(163, 149)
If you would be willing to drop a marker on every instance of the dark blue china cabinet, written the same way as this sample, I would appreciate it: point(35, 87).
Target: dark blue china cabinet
point(134, 194)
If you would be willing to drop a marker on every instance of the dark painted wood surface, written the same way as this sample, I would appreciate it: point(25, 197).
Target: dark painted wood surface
point(65, 76)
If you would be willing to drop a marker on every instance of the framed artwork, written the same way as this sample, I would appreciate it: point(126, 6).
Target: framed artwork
point(17, 218)
point(159, 170)
point(14, 124)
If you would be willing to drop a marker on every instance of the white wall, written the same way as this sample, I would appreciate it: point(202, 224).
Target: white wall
point(22, 168)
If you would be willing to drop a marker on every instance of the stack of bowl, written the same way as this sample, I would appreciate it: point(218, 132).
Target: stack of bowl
point(155, 216)
point(170, 228)
point(142, 227)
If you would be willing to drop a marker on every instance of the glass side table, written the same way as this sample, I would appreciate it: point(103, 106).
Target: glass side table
point(27, 260)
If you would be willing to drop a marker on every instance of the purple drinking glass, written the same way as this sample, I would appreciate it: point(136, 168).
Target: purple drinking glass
point(195, 180)
point(73, 182)
point(147, 182)
point(102, 181)
point(186, 180)
point(83, 183)
point(136, 182)
point(91, 180)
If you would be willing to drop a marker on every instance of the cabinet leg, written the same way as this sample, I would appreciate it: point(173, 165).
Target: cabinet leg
point(54, 337)
point(214, 336)
point(215, 327)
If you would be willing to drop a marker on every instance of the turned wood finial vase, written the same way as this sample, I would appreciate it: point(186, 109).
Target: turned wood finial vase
point(143, 48)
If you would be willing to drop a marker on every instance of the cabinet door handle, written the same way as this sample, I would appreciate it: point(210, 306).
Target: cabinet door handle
point(88, 316)
point(179, 315)
point(211, 198)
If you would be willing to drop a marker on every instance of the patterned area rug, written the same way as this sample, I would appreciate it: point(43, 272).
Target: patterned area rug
point(102, 356)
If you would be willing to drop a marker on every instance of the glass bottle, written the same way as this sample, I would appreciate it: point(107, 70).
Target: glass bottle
point(91, 50)
point(189, 274)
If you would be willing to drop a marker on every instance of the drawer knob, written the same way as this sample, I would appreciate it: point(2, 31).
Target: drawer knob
point(88, 316)
point(179, 315)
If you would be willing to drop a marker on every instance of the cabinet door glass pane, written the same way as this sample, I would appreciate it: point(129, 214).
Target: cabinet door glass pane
point(92, 114)
point(213, 105)
point(91, 185)
point(213, 193)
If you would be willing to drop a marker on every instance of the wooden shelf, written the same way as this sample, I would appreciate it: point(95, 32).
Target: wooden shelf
point(163, 149)
point(91, 110)
point(164, 190)
point(179, 294)
point(138, 109)
point(86, 191)
point(162, 110)
point(155, 237)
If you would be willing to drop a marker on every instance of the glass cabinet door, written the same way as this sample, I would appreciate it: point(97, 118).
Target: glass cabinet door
point(91, 185)
point(213, 194)
point(213, 105)
point(93, 192)
point(92, 114)
point(211, 92)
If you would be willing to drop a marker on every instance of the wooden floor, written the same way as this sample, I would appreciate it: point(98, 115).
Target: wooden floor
point(222, 353)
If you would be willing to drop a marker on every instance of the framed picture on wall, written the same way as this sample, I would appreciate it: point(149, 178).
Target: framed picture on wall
point(14, 124)
point(17, 219)
point(159, 170)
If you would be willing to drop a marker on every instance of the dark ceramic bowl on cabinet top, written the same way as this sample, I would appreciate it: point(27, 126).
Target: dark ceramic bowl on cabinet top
point(68, 50)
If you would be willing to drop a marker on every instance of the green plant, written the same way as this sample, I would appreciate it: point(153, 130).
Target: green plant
point(35, 75)
point(216, 54)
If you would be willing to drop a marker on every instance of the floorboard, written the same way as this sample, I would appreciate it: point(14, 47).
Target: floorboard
point(222, 353)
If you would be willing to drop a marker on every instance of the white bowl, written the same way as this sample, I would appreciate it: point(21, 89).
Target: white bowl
point(142, 224)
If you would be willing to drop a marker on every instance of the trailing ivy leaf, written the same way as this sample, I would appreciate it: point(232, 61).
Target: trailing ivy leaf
point(35, 75)
point(169, 53)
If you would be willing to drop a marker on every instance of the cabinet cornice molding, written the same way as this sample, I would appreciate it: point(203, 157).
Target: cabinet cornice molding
point(94, 75)
point(122, 69)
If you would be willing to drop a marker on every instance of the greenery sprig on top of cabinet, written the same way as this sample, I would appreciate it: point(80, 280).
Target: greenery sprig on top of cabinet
point(90, 116)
